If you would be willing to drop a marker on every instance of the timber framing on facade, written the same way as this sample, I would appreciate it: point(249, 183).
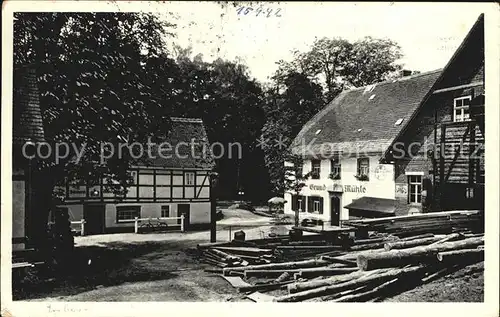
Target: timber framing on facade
point(162, 186)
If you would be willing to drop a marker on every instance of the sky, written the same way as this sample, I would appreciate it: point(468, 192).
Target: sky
point(428, 33)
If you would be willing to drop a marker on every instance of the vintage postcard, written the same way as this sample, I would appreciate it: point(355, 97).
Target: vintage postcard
point(194, 157)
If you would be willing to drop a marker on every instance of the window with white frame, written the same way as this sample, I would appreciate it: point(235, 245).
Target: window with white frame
point(415, 189)
point(461, 108)
point(165, 211)
point(127, 213)
point(315, 205)
point(363, 166)
point(316, 169)
point(189, 178)
point(301, 203)
point(335, 168)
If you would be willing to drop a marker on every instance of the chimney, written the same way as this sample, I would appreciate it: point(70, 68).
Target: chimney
point(406, 72)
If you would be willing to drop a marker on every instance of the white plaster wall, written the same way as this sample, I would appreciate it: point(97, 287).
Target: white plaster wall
point(199, 212)
point(381, 184)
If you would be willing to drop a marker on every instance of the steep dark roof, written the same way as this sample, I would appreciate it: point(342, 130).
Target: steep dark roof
point(177, 149)
point(364, 119)
point(27, 117)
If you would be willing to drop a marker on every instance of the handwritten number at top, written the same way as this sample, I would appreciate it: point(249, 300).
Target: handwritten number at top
point(259, 11)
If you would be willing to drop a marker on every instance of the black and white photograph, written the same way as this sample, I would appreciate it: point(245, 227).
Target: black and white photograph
point(249, 152)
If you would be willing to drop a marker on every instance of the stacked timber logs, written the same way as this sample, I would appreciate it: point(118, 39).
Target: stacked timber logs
point(379, 272)
point(436, 222)
point(313, 268)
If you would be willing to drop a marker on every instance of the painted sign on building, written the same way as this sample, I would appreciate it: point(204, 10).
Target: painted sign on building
point(401, 190)
point(317, 187)
point(354, 189)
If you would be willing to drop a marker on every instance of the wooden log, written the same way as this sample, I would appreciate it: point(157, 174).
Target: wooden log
point(306, 242)
point(244, 251)
point(369, 241)
point(409, 244)
point(361, 296)
point(337, 260)
point(321, 248)
point(223, 255)
point(331, 253)
point(263, 287)
point(213, 257)
point(332, 289)
point(450, 237)
point(420, 236)
point(307, 285)
point(283, 277)
point(458, 256)
point(306, 273)
point(284, 265)
point(430, 215)
point(413, 255)
point(251, 258)
point(367, 246)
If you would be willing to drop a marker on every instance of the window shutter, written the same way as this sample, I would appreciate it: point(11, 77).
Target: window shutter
point(321, 205)
point(310, 204)
point(294, 202)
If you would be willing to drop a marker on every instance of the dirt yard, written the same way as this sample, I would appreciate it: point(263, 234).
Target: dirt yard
point(164, 267)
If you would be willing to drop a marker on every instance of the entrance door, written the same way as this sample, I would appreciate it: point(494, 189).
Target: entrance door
point(183, 209)
point(335, 210)
point(94, 218)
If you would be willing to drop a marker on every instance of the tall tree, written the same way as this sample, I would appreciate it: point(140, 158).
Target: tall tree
point(339, 64)
point(94, 85)
point(287, 111)
point(372, 60)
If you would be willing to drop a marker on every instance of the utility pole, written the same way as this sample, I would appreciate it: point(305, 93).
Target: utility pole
point(213, 207)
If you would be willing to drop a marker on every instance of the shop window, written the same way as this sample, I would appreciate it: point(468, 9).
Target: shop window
point(316, 169)
point(461, 108)
point(127, 213)
point(415, 189)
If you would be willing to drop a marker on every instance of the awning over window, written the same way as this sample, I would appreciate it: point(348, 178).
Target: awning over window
point(372, 207)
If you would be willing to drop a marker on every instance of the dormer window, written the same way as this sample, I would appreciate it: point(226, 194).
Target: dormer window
point(461, 109)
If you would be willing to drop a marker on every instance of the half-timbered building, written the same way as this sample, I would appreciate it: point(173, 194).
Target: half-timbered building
point(444, 141)
point(163, 185)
